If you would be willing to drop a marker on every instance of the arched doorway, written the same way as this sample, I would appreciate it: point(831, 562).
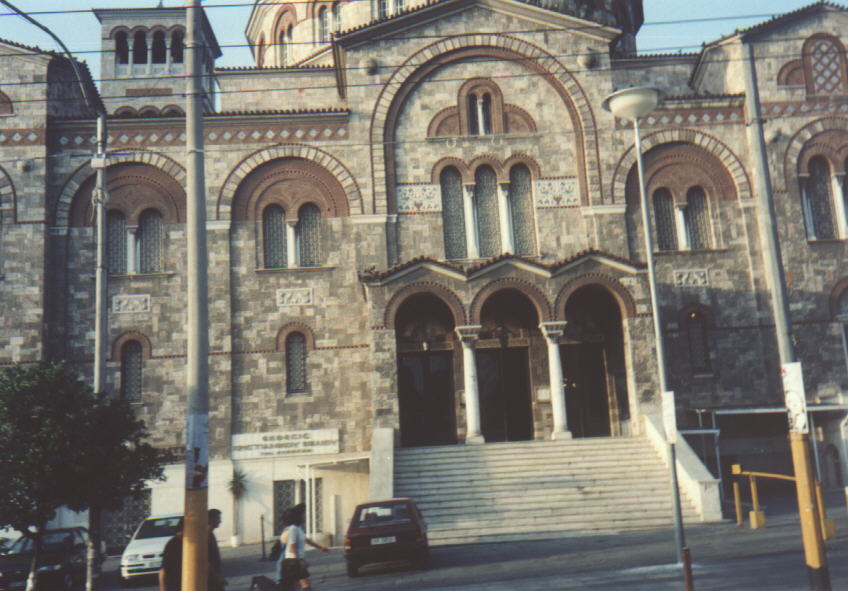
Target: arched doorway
point(592, 356)
point(509, 322)
point(425, 344)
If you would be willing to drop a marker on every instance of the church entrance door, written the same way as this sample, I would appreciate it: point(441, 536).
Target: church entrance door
point(504, 385)
point(426, 403)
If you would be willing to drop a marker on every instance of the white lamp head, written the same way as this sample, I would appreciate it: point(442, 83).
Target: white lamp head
point(632, 103)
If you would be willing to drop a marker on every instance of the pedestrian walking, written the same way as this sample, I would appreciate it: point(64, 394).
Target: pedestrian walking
point(217, 582)
point(292, 568)
point(171, 571)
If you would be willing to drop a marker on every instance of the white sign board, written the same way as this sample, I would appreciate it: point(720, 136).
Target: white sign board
point(669, 416)
point(248, 446)
point(795, 397)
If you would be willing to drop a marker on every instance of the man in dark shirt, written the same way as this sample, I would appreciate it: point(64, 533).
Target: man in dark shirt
point(171, 571)
point(216, 579)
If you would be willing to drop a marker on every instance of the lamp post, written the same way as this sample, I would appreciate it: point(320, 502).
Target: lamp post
point(631, 104)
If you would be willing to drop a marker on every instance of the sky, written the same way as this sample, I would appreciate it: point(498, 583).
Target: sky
point(670, 25)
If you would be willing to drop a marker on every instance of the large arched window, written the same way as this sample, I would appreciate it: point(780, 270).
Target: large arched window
point(140, 47)
point(486, 211)
point(697, 217)
point(150, 241)
point(824, 65)
point(159, 54)
point(274, 237)
point(177, 47)
point(116, 242)
point(337, 17)
point(296, 351)
point(453, 214)
point(664, 220)
point(521, 209)
point(131, 361)
point(697, 337)
point(309, 235)
point(818, 199)
point(122, 48)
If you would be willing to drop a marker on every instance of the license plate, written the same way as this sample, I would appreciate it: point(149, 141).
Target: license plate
point(386, 540)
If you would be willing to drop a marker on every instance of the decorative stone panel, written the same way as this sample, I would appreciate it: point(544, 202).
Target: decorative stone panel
point(423, 198)
point(691, 278)
point(294, 296)
point(131, 303)
point(562, 192)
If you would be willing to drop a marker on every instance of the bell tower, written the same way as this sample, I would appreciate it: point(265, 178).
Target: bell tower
point(142, 64)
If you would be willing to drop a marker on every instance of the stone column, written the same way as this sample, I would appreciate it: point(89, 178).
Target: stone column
point(481, 121)
point(291, 244)
point(505, 215)
point(468, 336)
point(841, 222)
point(680, 225)
point(133, 250)
point(553, 331)
point(472, 245)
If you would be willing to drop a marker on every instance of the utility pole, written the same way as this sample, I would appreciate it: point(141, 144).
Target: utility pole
point(195, 529)
point(98, 162)
point(792, 377)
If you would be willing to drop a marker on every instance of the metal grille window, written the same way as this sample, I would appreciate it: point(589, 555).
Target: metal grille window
point(295, 363)
point(274, 237)
point(827, 64)
point(309, 235)
point(382, 8)
point(697, 219)
point(818, 200)
point(521, 206)
point(664, 220)
point(486, 210)
point(453, 214)
point(486, 124)
point(473, 124)
point(150, 241)
point(284, 497)
point(131, 371)
point(116, 241)
point(696, 330)
point(323, 25)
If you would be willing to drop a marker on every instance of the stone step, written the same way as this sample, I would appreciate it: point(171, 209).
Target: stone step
point(499, 488)
point(530, 470)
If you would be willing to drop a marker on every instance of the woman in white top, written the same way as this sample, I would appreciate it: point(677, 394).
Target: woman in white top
point(292, 569)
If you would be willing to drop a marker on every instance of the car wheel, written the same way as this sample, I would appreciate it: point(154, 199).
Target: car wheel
point(352, 569)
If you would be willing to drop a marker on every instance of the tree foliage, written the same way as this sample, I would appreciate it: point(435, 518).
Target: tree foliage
point(64, 446)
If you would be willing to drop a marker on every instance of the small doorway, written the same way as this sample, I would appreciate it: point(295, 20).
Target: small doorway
point(504, 387)
point(592, 355)
point(425, 344)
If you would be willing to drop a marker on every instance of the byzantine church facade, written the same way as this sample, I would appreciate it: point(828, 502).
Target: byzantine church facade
point(421, 219)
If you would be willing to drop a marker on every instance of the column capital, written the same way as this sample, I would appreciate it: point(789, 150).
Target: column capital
point(292, 223)
point(554, 329)
point(468, 334)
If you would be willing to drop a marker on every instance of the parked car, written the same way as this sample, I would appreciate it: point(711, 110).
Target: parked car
point(383, 531)
point(61, 562)
point(143, 554)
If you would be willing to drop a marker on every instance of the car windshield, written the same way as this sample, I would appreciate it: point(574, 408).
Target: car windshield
point(157, 528)
point(51, 541)
point(389, 513)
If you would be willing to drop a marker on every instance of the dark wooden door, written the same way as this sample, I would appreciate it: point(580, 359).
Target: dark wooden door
point(427, 415)
point(504, 388)
point(587, 405)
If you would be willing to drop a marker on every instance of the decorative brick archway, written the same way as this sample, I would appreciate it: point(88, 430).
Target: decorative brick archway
point(82, 174)
point(445, 295)
point(319, 157)
point(619, 293)
point(530, 291)
point(8, 199)
point(452, 49)
point(690, 136)
point(797, 154)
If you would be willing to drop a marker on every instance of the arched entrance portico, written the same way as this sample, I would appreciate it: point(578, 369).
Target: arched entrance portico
point(425, 344)
point(509, 325)
point(592, 353)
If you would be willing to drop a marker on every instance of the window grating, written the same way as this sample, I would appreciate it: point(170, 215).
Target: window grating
point(453, 214)
point(697, 219)
point(818, 195)
point(131, 371)
point(521, 205)
point(116, 242)
point(296, 363)
point(486, 209)
point(150, 241)
point(664, 220)
point(274, 237)
point(827, 64)
point(309, 234)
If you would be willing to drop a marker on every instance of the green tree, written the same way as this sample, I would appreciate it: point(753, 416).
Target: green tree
point(64, 446)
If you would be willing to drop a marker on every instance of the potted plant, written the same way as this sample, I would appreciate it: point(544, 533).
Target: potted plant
point(237, 486)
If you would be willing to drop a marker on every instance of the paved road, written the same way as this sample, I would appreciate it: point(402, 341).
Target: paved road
point(726, 557)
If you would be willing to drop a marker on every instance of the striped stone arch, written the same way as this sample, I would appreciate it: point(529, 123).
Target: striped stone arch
point(533, 293)
point(437, 290)
point(310, 153)
point(799, 141)
point(84, 172)
point(620, 294)
point(8, 198)
point(690, 136)
point(451, 49)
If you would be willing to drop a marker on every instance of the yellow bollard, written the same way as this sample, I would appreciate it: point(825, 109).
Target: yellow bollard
point(757, 517)
point(828, 527)
point(737, 502)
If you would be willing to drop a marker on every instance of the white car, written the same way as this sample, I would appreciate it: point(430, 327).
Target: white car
point(143, 555)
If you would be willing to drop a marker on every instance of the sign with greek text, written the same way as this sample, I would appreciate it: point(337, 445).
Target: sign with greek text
point(248, 446)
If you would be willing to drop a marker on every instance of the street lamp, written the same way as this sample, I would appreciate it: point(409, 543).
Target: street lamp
point(631, 104)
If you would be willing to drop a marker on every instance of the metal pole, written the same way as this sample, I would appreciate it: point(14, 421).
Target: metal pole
point(195, 546)
point(679, 537)
point(799, 440)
